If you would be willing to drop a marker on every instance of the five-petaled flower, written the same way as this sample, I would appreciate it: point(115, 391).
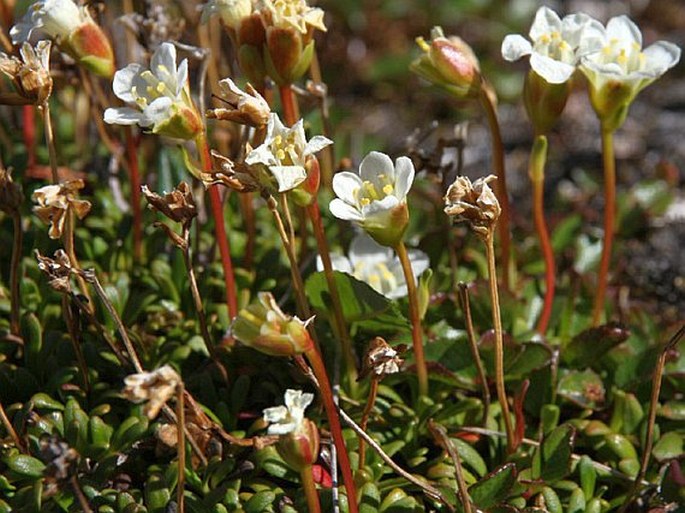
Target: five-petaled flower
point(161, 95)
point(376, 198)
point(285, 151)
point(288, 419)
point(73, 29)
point(557, 44)
point(620, 68)
point(30, 75)
point(56, 202)
point(377, 266)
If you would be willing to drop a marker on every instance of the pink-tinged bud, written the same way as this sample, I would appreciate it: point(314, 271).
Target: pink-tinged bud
point(300, 448)
point(251, 31)
point(544, 101)
point(285, 57)
point(90, 46)
point(183, 123)
point(305, 193)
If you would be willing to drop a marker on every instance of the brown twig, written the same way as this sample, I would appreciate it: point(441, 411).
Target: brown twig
point(440, 433)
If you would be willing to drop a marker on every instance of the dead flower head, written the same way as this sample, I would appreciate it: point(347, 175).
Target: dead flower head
point(10, 193)
point(380, 359)
point(30, 75)
point(474, 203)
point(57, 269)
point(245, 107)
point(178, 205)
point(235, 175)
point(155, 387)
point(55, 202)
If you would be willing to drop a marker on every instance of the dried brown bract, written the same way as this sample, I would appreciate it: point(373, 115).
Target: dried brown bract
point(380, 360)
point(474, 203)
point(155, 387)
point(57, 269)
point(10, 193)
point(235, 175)
point(55, 202)
point(30, 75)
point(178, 205)
point(246, 107)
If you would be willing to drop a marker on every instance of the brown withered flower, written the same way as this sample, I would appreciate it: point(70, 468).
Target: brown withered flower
point(155, 387)
point(235, 175)
point(380, 360)
point(10, 193)
point(245, 107)
point(57, 269)
point(474, 203)
point(178, 205)
point(55, 202)
point(30, 75)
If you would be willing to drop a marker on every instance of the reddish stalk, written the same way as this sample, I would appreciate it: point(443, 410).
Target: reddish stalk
point(134, 175)
point(290, 110)
point(15, 289)
point(29, 132)
point(536, 171)
point(609, 222)
point(314, 358)
point(309, 487)
point(501, 184)
point(219, 229)
point(370, 401)
point(415, 318)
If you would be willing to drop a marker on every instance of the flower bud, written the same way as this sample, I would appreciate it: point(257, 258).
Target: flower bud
point(544, 101)
point(264, 327)
point(300, 448)
point(285, 58)
point(449, 63)
point(305, 193)
point(91, 48)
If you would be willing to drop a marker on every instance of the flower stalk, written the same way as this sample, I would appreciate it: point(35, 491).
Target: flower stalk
point(609, 163)
point(368, 408)
point(15, 294)
point(536, 171)
point(134, 176)
point(50, 140)
point(414, 317)
point(309, 487)
point(180, 433)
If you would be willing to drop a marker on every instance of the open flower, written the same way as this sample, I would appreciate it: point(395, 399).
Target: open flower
point(161, 95)
point(376, 198)
point(231, 12)
point(288, 419)
point(377, 266)
point(247, 108)
point(73, 30)
point(620, 68)
point(557, 44)
point(30, 75)
point(55, 202)
point(474, 203)
point(284, 152)
point(292, 13)
point(263, 326)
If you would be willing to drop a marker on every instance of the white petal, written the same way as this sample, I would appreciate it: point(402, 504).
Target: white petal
point(374, 164)
point(661, 56)
point(346, 185)
point(380, 209)
point(164, 59)
point(343, 211)
point(261, 155)
point(123, 116)
point(404, 176)
point(288, 177)
point(546, 21)
point(275, 414)
point(623, 29)
point(419, 261)
point(158, 111)
point(515, 46)
point(123, 82)
point(296, 401)
point(553, 71)
point(182, 76)
point(21, 31)
point(592, 38)
point(316, 144)
point(282, 428)
point(366, 251)
point(338, 262)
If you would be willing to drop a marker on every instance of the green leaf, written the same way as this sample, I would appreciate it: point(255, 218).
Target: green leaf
point(260, 502)
point(361, 304)
point(552, 460)
point(671, 445)
point(32, 333)
point(157, 495)
point(584, 389)
point(370, 498)
point(470, 456)
point(586, 348)
point(25, 465)
point(493, 488)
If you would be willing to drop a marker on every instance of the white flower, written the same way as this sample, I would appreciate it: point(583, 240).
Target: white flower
point(377, 266)
point(292, 13)
point(161, 95)
point(376, 198)
point(231, 12)
point(288, 419)
point(57, 18)
point(557, 44)
point(621, 58)
point(285, 151)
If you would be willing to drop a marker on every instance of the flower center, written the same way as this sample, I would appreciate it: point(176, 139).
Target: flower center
point(285, 149)
point(370, 191)
point(377, 275)
point(630, 57)
point(553, 45)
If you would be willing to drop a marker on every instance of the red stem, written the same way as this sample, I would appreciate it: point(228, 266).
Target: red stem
point(29, 129)
point(319, 369)
point(288, 103)
point(220, 230)
point(134, 176)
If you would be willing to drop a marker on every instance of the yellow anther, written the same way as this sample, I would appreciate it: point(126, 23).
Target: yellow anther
point(388, 189)
point(280, 154)
point(365, 202)
point(162, 68)
point(161, 87)
point(278, 140)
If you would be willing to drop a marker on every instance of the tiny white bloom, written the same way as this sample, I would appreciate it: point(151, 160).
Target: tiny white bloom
point(161, 95)
point(620, 57)
point(377, 266)
point(284, 152)
point(376, 198)
point(231, 12)
point(292, 13)
point(557, 44)
point(57, 18)
point(288, 419)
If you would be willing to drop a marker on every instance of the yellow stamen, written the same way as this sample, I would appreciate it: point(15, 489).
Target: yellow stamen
point(388, 189)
